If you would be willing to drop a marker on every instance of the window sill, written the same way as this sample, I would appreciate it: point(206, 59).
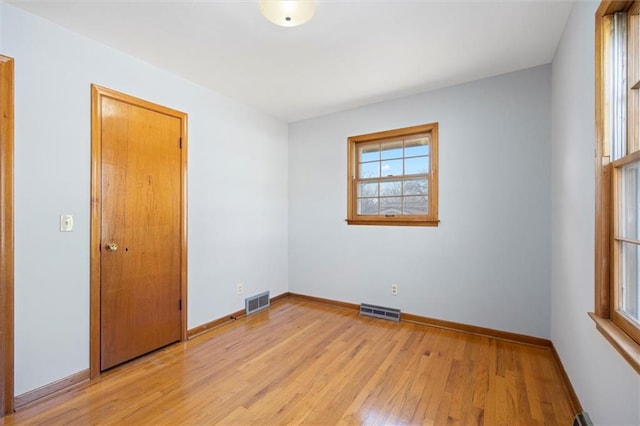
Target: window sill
point(387, 222)
point(626, 346)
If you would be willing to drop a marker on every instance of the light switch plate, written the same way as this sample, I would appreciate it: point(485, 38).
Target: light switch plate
point(66, 223)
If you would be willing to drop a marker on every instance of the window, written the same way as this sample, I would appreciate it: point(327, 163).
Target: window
point(617, 245)
point(393, 177)
point(626, 242)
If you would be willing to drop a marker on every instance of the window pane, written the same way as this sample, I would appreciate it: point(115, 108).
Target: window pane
point(416, 165)
point(416, 147)
point(415, 187)
point(618, 85)
point(367, 206)
point(391, 168)
point(369, 170)
point(391, 188)
point(630, 263)
point(368, 153)
point(369, 189)
point(415, 205)
point(391, 150)
point(630, 199)
point(391, 205)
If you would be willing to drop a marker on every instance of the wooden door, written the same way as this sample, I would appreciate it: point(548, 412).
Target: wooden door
point(141, 222)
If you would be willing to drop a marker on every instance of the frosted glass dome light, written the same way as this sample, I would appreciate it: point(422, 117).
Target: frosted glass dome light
point(288, 13)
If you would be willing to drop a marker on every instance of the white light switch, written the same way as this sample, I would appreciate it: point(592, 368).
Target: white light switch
point(66, 223)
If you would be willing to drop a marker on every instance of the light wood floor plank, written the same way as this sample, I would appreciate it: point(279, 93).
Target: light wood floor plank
point(305, 363)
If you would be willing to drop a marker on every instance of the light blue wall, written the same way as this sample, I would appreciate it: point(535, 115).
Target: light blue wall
point(606, 385)
point(488, 262)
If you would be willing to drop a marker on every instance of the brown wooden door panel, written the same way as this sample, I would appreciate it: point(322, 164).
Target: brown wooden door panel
point(140, 282)
point(6, 236)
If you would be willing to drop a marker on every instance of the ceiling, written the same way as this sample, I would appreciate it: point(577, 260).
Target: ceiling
point(350, 54)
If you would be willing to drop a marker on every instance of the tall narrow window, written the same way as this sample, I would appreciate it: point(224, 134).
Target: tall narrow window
point(618, 177)
point(393, 177)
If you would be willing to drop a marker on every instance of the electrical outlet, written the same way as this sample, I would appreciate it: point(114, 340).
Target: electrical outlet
point(66, 223)
point(394, 289)
point(239, 289)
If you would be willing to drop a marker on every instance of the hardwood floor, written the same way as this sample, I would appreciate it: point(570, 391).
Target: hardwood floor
point(304, 363)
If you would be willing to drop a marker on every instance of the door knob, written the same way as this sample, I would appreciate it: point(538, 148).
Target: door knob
point(112, 247)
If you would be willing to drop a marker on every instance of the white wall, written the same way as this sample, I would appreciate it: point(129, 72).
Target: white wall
point(488, 262)
point(607, 386)
point(237, 209)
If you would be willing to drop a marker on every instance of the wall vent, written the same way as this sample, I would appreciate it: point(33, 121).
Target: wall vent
point(256, 303)
point(380, 312)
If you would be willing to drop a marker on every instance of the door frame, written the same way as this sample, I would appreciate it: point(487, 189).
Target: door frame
point(6, 236)
point(97, 93)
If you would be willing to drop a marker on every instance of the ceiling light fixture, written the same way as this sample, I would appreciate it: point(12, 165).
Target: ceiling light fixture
point(288, 13)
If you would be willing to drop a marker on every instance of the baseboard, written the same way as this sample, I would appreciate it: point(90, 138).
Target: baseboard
point(52, 389)
point(433, 322)
point(196, 331)
point(279, 298)
point(330, 302)
point(480, 331)
point(208, 326)
point(576, 406)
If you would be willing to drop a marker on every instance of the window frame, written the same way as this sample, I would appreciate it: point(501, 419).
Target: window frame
point(616, 327)
point(353, 142)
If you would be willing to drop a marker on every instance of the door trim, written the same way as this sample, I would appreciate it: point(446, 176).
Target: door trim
point(6, 237)
point(97, 93)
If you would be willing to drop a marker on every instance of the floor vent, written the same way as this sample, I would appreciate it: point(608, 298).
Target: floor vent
point(582, 419)
point(256, 303)
point(380, 312)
